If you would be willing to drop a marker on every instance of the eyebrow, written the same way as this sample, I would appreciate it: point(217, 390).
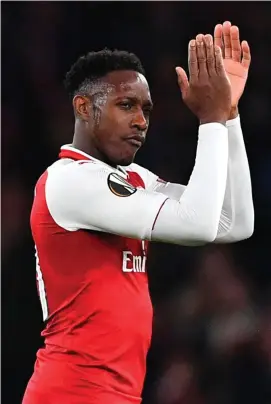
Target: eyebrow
point(134, 99)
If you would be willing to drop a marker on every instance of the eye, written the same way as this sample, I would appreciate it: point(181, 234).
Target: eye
point(125, 105)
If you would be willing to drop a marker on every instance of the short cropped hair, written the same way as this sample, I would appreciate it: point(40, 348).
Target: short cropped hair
point(95, 65)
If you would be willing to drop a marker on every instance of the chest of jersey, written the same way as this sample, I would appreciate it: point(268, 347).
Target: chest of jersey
point(71, 262)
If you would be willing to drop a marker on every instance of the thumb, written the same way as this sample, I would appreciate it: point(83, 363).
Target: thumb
point(182, 80)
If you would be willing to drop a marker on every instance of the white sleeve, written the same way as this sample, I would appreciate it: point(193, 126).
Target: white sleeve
point(91, 196)
point(237, 217)
point(95, 197)
point(200, 203)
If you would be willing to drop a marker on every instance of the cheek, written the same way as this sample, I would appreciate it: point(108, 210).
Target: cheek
point(117, 124)
point(120, 119)
point(123, 117)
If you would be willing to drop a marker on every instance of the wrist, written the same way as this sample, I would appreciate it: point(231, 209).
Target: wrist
point(213, 120)
point(215, 117)
point(233, 113)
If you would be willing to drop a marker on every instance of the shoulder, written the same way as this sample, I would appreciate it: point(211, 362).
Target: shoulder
point(69, 172)
point(68, 180)
point(72, 186)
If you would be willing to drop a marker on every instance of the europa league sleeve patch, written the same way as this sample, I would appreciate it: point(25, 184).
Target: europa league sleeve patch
point(119, 186)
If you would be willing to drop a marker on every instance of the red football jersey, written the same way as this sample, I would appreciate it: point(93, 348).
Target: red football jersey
point(94, 293)
point(91, 224)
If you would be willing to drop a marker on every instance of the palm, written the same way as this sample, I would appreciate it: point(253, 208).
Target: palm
point(237, 75)
point(236, 58)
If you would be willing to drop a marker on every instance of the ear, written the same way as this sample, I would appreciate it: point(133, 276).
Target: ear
point(82, 107)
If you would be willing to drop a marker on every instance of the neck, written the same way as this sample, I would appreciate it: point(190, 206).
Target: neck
point(82, 140)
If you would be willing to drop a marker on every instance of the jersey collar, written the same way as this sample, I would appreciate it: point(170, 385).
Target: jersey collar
point(70, 152)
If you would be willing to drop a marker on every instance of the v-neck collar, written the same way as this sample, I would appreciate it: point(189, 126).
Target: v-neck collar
point(70, 152)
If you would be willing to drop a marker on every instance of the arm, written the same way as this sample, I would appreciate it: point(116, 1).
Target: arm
point(237, 215)
point(237, 207)
point(79, 197)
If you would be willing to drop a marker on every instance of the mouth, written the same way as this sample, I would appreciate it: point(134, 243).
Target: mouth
point(136, 140)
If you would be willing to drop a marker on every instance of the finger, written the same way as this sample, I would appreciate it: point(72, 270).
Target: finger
point(235, 44)
point(219, 65)
point(218, 32)
point(210, 56)
point(227, 39)
point(182, 81)
point(192, 60)
point(201, 56)
point(246, 59)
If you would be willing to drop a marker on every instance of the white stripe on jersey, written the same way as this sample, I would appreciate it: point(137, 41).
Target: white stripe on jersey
point(41, 287)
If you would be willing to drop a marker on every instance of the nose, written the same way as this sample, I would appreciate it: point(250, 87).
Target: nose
point(139, 121)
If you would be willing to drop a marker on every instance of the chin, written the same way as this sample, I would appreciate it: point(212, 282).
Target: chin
point(125, 160)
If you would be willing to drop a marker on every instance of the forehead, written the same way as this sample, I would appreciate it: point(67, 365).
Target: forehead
point(124, 83)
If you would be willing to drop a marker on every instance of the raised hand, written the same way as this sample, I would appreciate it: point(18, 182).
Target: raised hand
point(236, 58)
point(207, 92)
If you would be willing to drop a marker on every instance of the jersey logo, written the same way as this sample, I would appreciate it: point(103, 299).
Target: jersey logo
point(118, 186)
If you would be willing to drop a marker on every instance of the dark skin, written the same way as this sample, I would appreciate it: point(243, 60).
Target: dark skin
point(111, 125)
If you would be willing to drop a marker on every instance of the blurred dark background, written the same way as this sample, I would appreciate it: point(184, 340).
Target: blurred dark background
point(212, 329)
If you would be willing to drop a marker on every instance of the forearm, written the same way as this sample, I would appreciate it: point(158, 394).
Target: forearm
point(237, 218)
point(194, 219)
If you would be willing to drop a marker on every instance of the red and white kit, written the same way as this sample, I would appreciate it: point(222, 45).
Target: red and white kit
point(91, 225)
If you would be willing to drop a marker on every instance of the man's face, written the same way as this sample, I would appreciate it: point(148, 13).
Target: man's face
point(120, 116)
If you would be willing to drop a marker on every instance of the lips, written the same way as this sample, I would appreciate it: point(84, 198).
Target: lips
point(136, 140)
